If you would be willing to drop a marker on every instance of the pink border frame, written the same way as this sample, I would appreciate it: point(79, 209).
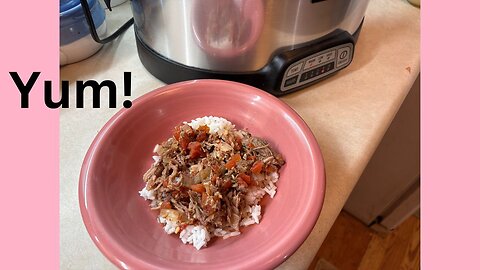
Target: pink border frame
point(29, 141)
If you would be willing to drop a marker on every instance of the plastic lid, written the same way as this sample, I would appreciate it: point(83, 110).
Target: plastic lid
point(66, 5)
point(73, 24)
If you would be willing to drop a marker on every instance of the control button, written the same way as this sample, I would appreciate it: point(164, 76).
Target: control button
point(329, 56)
point(294, 69)
point(343, 56)
point(322, 59)
point(312, 62)
point(290, 81)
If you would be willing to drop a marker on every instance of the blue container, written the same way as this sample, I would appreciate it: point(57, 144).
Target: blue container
point(73, 25)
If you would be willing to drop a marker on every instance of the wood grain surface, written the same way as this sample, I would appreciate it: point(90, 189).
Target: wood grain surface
point(350, 245)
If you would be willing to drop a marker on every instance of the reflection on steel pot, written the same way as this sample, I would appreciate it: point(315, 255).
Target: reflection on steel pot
point(226, 29)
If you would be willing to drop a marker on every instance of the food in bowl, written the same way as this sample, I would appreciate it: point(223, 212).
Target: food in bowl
point(208, 180)
point(121, 224)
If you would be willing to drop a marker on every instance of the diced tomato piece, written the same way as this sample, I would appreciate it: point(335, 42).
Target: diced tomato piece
point(204, 198)
point(250, 157)
point(176, 133)
point(251, 145)
point(183, 189)
point(238, 143)
point(195, 149)
point(257, 167)
point(270, 169)
point(188, 132)
point(202, 133)
point(227, 184)
point(166, 205)
point(183, 134)
point(184, 141)
point(233, 161)
point(242, 183)
point(198, 188)
point(247, 178)
point(202, 136)
point(204, 128)
point(183, 226)
point(215, 168)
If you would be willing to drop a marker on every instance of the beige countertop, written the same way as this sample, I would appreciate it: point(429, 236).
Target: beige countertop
point(348, 113)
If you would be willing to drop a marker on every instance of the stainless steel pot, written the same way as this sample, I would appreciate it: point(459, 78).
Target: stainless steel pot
point(277, 45)
point(238, 35)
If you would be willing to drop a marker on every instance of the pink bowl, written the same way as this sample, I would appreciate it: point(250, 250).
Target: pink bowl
point(123, 227)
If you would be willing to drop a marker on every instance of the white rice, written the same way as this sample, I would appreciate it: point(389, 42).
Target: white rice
point(170, 226)
point(147, 194)
point(217, 125)
point(273, 177)
point(254, 195)
point(198, 236)
point(255, 216)
point(256, 213)
point(271, 189)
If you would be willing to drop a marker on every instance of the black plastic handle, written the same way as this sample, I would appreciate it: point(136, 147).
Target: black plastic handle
point(107, 3)
point(91, 24)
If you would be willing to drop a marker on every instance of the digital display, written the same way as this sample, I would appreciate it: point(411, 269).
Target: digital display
point(316, 71)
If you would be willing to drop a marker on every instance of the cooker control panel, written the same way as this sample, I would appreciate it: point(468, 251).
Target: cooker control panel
point(316, 66)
